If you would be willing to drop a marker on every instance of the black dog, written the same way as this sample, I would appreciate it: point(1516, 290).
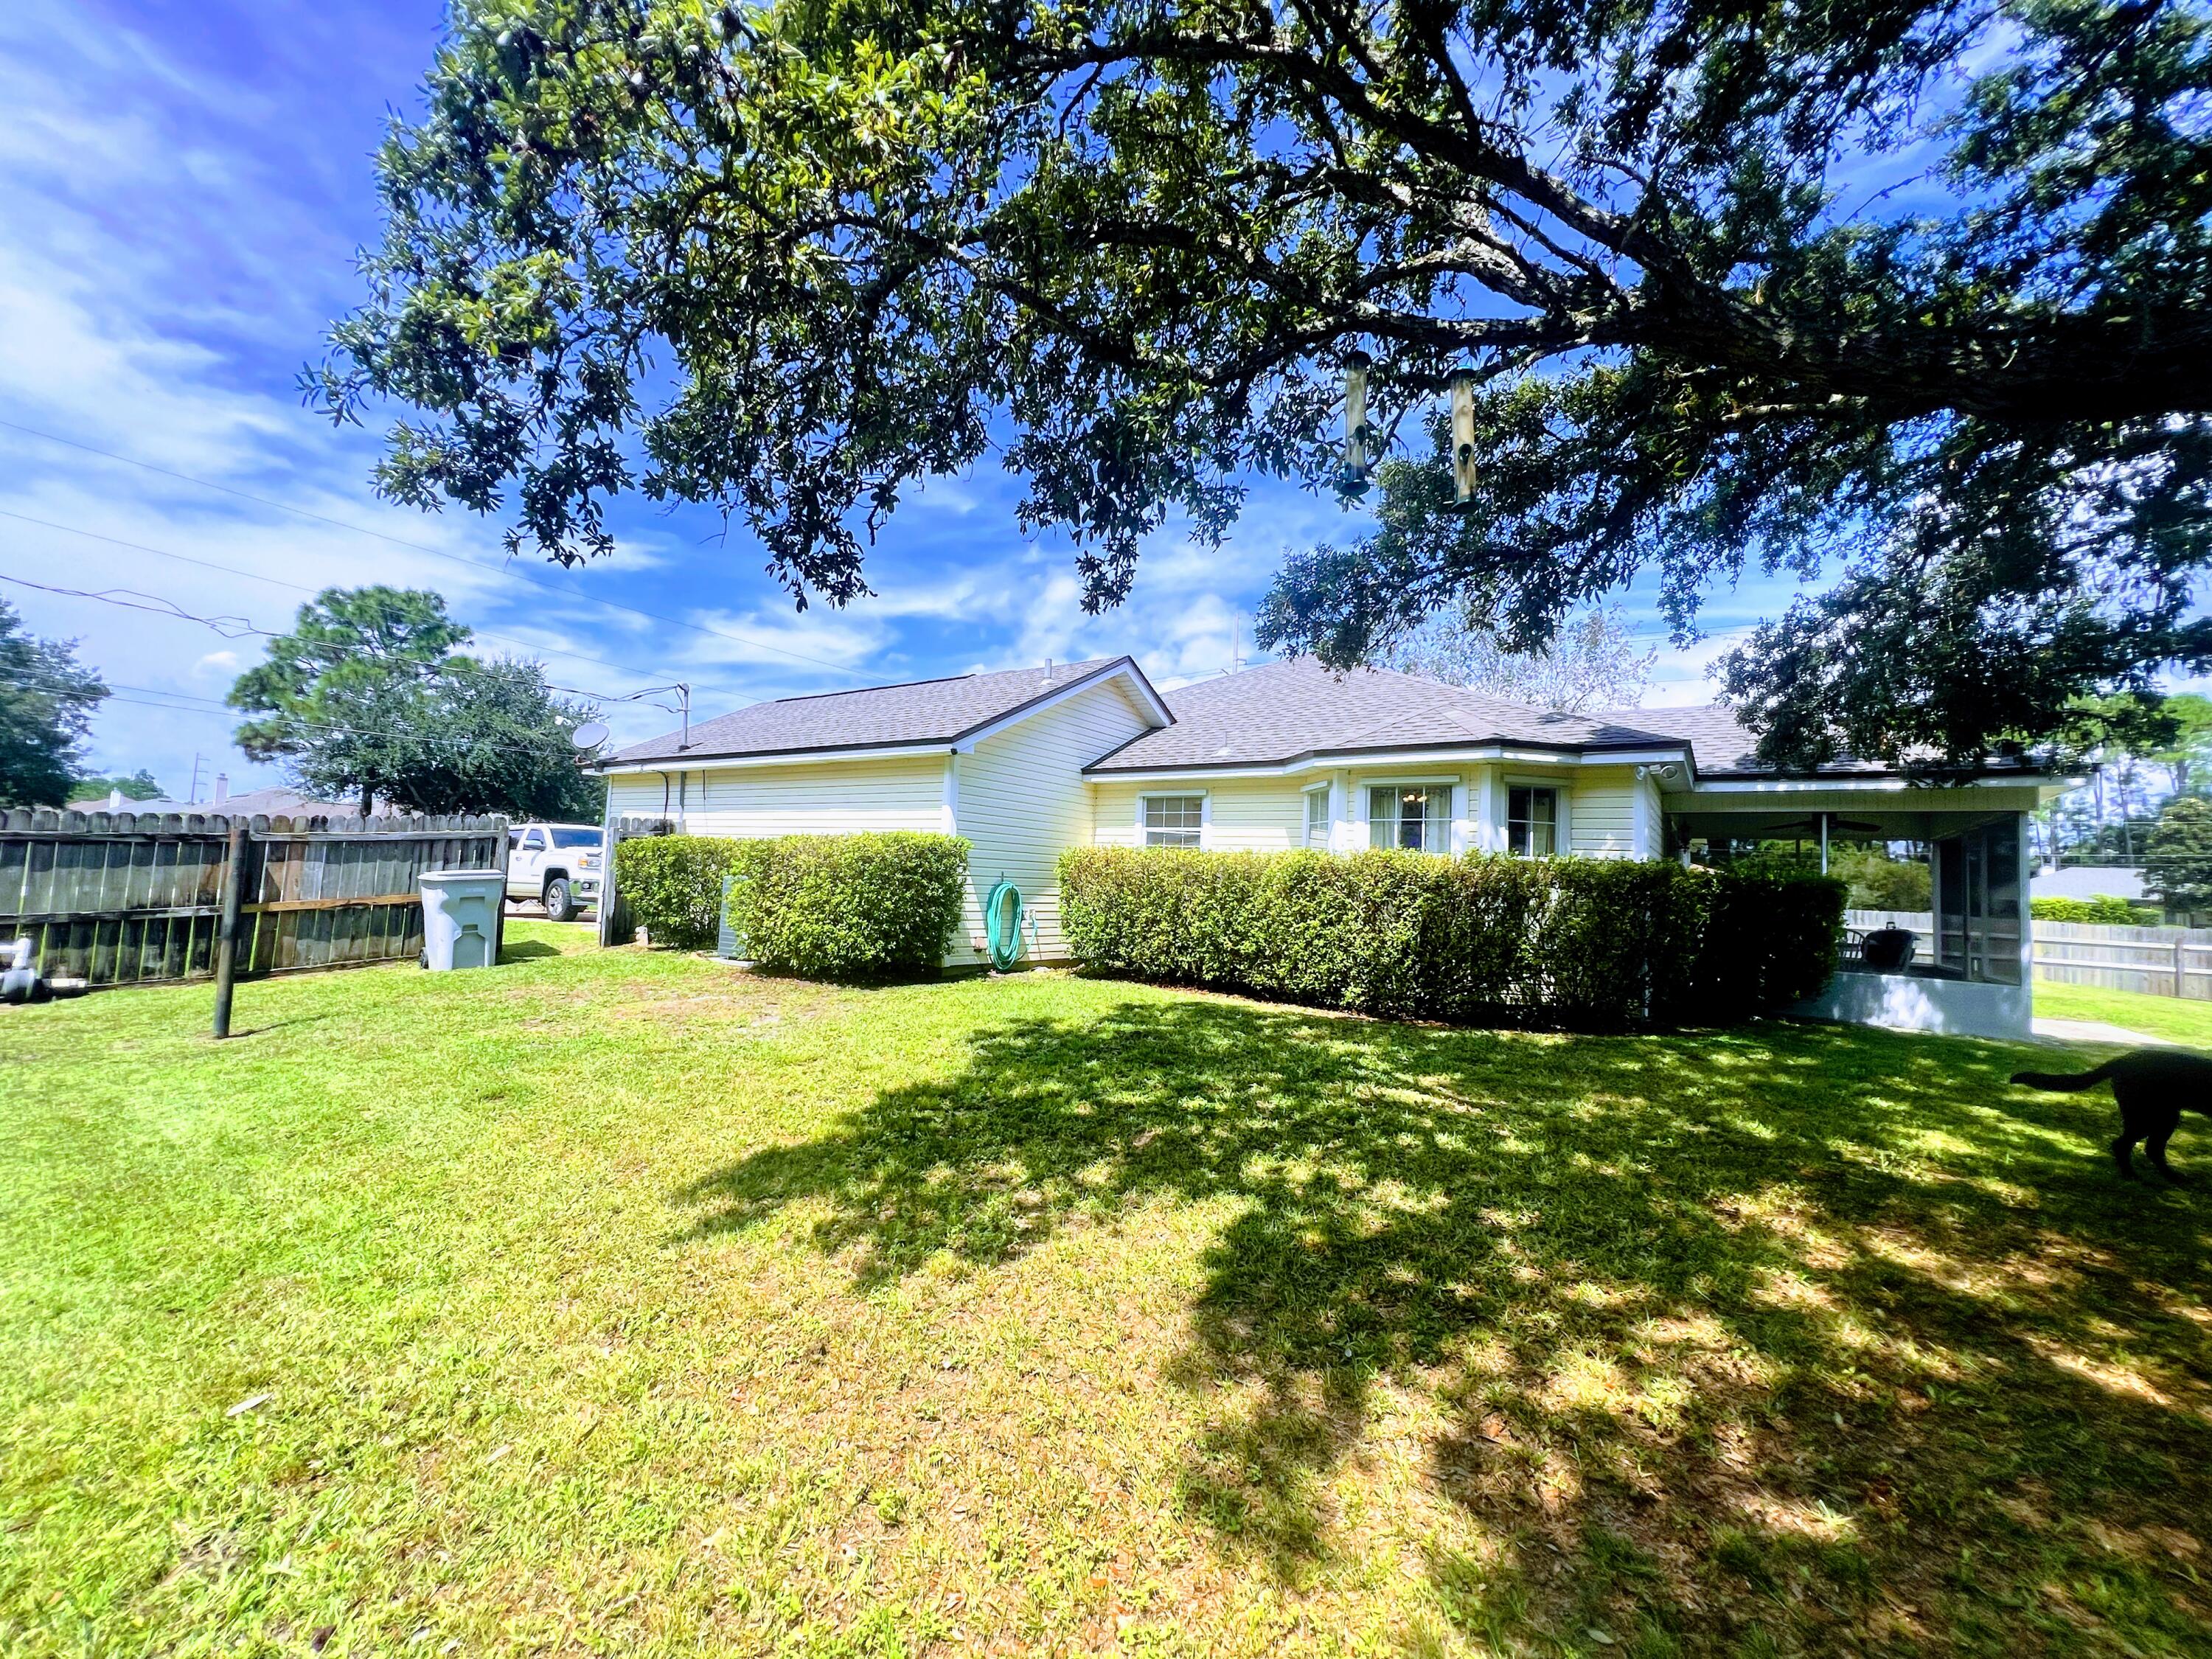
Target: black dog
point(2153, 1087)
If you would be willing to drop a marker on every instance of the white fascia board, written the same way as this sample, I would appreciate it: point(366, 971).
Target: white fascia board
point(1121, 670)
point(788, 757)
point(1370, 760)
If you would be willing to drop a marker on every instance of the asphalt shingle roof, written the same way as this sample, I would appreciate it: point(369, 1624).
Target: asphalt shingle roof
point(1280, 711)
point(1266, 715)
point(1723, 747)
point(883, 716)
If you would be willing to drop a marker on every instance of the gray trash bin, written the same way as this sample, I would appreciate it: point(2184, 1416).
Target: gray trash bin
point(460, 917)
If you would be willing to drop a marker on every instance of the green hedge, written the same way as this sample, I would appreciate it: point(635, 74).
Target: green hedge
point(1596, 944)
point(672, 885)
point(2099, 911)
point(849, 907)
point(1768, 940)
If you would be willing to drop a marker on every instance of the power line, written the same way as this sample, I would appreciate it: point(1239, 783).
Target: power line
point(297, 587)
point(434, 552)
point(181, 701)
point(238, 626)
point(231, 627)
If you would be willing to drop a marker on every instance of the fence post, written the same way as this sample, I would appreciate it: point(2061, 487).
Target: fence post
point(226, 937)
point(2180, 968)
point(499, 915)
point(608, 841)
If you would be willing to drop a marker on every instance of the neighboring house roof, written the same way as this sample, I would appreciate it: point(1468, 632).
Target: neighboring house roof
point(2085, 881)
point(274, 803)
point(1281, 712)
point(923, 714)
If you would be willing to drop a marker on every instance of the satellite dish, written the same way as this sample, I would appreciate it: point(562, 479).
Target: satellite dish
point(590, 735)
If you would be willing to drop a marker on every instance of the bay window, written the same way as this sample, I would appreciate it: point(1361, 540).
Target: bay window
point(1415, 817)
point(1317, 818)
point(1532, 821)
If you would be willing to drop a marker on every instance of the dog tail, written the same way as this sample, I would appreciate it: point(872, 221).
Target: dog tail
point(2065, 1083)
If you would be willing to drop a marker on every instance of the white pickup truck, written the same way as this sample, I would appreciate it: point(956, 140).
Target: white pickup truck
point(560, 864)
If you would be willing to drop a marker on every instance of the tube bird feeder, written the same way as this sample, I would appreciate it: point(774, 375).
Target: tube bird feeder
point(1356, 459)
point(1463, 436)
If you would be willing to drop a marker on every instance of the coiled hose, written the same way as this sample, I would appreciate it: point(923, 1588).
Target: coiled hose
point(1002, 924)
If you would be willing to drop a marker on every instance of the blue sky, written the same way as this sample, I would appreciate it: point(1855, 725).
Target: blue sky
point(183, 184)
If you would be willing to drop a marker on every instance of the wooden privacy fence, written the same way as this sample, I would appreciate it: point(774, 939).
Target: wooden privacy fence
point(2162, 961)
point(127, 898)
point(616, 925)
point(2159, 962)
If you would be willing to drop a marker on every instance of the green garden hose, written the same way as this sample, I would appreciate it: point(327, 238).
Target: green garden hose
point(1002, 924)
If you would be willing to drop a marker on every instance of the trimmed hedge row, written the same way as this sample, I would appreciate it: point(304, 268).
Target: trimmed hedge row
point(672, 885)
point(1589, 943)
point(863, 906)
point(829, 907)
point(2097, 910)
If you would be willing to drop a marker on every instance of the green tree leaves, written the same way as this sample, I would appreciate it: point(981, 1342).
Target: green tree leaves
point(139, 786)
point(367, 697)
point(791, 261)
point(46, 699)
point(2177, 860)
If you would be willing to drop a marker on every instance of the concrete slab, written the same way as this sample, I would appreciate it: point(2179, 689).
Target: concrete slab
point(2096, 1030)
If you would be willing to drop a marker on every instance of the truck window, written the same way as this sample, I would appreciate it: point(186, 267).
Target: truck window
point(576, 837)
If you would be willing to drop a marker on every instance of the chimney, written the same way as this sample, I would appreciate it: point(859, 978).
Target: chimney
point(1047, 670)
point(115, 800)
point(221, 787)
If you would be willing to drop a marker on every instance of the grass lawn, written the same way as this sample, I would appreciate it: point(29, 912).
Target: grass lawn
point(619, 1302)
point(2178, 1019)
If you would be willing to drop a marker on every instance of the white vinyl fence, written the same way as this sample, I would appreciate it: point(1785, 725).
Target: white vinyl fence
point(2159, 962)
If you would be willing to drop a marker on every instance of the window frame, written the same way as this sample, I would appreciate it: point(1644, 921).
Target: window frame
point(1204, 798)
point(1558, 792)
point(1327, 819)
point(1447, 786)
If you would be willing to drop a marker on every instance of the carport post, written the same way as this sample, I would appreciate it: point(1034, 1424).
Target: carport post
point(226, 939)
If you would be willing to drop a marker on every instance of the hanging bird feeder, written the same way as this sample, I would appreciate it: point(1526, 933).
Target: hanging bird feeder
point(1356, 459)
point(1463, 436)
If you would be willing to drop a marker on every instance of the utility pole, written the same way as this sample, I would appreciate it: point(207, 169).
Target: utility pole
point(192, 794)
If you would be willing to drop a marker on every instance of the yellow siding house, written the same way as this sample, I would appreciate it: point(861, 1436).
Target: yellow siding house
point(1030, 762)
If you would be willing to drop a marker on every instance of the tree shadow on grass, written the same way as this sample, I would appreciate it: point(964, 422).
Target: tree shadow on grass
point(1751, 1336)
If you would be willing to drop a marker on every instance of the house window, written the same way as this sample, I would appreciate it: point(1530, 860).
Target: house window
point(1532, 821)
point(1174, 820)
point(1317, 818)
point(1417, 818)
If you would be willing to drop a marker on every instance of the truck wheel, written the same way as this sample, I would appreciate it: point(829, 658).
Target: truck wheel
point(559, 907)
